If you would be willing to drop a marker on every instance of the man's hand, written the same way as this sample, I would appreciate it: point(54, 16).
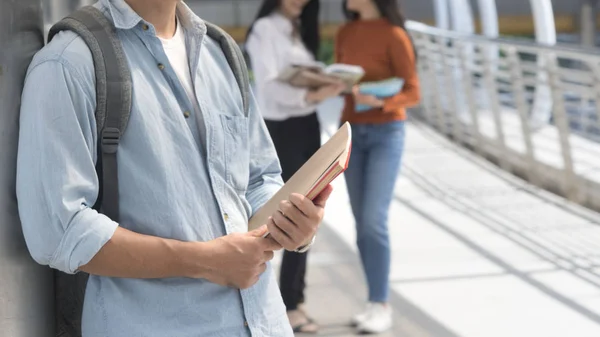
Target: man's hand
point(238, 260)
point(298, 219)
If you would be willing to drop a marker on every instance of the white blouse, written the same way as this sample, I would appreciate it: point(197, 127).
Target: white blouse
point(272, 47)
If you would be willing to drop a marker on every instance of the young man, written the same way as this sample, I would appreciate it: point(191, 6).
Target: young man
point(192, 171)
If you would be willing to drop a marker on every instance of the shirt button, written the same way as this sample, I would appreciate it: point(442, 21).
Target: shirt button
point(246, 323)
point(186, 114)
point(226, 216)
point(161, 66)
point(145, 27)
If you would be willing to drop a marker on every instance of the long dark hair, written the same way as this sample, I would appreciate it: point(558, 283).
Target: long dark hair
point(309, 22)
point(389, 9)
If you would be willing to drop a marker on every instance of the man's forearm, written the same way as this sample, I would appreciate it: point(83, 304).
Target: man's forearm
point(132, 255)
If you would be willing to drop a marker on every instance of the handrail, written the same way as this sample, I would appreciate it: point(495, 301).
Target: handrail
point(576, 51)
point(530, 108)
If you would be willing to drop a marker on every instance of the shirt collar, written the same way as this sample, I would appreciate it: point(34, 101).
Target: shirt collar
point(190, 20)
point(124, 17)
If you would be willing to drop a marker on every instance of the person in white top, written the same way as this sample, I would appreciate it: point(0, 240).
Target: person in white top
point(286, 32)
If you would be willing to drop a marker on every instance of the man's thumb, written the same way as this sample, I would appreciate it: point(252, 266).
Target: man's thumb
point(321, 199)
point(259, 232)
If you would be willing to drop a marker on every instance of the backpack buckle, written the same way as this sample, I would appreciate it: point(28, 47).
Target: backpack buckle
point(110, 140)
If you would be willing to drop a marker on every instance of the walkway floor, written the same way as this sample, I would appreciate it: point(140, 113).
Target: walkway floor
point(476, 253)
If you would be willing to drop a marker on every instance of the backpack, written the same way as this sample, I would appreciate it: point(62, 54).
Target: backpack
point(113, 105)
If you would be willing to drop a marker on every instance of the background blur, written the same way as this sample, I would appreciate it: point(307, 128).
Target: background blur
point(495, 222)
point(515, 16)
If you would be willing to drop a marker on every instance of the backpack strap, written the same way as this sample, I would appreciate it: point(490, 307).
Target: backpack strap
point(113, 96)
point(236, 61)
point(113, 104)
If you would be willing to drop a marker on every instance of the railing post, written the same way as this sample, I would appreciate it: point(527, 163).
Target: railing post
point(570, 184)
point(595, 67)
point(467, 84)
point(449, 72)
point(492, 89)
point(436, 85)
point(587, 22)
point(423, 65)
point(516, 74)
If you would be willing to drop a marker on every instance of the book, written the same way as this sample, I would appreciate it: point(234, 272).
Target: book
point(379, 89)
point(310, 180)
point(317, 74)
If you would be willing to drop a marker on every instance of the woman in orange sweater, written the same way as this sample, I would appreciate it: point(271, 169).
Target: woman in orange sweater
point(375, 39)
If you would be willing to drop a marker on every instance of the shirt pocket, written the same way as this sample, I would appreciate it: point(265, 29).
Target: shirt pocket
point(237, 153)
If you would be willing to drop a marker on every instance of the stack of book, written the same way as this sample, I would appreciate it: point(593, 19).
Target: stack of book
point(315, 75)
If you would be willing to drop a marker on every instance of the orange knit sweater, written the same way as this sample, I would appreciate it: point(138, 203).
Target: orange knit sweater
point(384, 51)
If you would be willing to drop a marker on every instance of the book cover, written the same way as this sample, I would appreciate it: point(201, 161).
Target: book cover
point(317, 74)
point(321, 169)
point(379, 89)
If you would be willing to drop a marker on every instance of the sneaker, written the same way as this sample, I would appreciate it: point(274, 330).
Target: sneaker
point(359, 318)
point(378, 319)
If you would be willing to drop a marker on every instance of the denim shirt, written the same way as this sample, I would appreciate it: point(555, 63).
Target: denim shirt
point(190, 179)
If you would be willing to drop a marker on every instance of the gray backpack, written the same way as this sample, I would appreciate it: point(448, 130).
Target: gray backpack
point(113, 104)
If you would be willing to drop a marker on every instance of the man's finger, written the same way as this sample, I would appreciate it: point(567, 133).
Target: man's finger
point(268, 256)
point(269, 244)
point(259, 232)
point(262, 268)
point(280, 236)
point(302, 203)
point(293, 212)
point(321, 199)
point(286, 225)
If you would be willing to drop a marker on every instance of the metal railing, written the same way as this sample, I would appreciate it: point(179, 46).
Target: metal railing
point(531, 109)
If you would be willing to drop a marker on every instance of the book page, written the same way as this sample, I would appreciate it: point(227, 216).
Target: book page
point(344, 68)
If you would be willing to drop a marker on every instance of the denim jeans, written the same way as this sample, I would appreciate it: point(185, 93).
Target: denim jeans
point(371, 176)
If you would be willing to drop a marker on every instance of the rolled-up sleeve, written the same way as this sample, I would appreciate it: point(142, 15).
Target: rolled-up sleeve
point(265, 170)
point(56, 178)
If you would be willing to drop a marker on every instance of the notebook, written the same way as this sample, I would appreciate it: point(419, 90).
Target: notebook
point(311, 179)
point(316, 75)
point(379, 89)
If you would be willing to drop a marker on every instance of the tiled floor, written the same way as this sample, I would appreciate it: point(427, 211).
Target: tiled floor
point(475, 253)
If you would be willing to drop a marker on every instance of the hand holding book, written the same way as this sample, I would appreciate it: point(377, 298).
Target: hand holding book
point(366, 101)
point(317, 75)
point(322, 93)
point(296, 221)
point(371, 94)
point(307, 191)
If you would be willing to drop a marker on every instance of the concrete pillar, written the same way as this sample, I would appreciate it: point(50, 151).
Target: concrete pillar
point(588, 22)
point(442, 14)
point(26, 288)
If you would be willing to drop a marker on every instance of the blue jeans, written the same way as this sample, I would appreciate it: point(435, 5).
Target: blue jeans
point(371, 175)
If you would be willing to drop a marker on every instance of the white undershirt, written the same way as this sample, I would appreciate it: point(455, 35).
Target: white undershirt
point(176, 51)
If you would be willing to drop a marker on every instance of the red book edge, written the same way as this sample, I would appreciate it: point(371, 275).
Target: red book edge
point(324, 177)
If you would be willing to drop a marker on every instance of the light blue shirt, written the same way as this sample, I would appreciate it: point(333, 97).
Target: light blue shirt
point(191, 179)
